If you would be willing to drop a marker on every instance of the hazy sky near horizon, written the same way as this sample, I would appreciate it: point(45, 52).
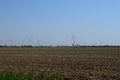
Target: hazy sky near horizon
point(54, 22)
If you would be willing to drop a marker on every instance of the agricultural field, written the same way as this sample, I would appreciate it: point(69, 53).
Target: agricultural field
point(88, 63)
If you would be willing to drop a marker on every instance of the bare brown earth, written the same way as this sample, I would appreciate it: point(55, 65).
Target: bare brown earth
point(68, 63)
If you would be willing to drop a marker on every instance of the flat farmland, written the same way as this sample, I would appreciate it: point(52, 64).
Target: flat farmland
point(90, 63)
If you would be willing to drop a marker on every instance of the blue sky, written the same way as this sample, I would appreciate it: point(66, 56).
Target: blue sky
point(54, 22)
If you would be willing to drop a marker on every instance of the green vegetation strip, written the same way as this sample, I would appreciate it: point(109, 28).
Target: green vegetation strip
point(20, 76)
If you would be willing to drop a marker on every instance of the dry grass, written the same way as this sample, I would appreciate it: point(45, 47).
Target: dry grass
point(69, 63)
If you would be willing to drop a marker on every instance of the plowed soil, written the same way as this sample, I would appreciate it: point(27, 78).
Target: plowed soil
point(68, 63)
